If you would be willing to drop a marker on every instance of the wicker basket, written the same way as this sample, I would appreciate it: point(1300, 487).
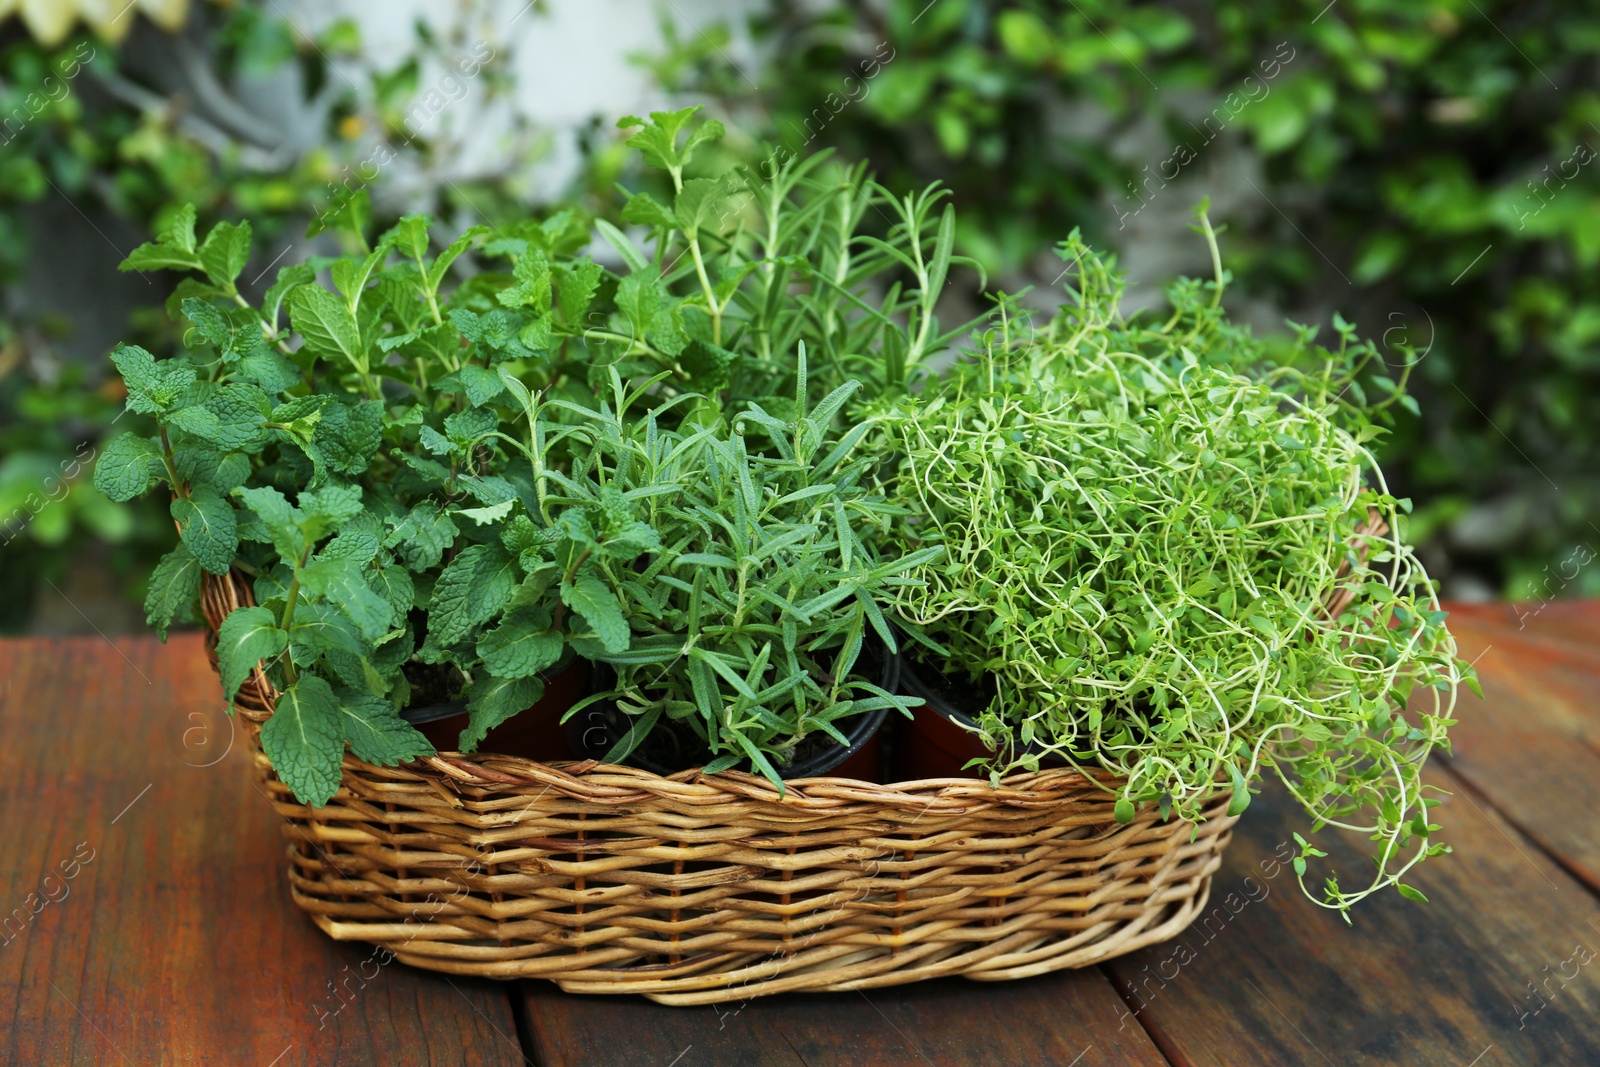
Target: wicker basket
point(695, 889)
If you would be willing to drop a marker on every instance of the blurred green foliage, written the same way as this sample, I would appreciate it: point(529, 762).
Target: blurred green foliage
point(1428, 167)
point(85, 122)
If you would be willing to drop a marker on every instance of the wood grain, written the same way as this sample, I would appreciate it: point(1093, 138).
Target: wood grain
point(175, 941)
point(1531, 748)
point(1275, 980)
point(1072, 1018)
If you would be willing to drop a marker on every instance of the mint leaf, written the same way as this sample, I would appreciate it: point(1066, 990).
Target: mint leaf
point(642, 209)
point(394, 584)
point(174, 585)
point(376, 732)
point(208, 323)
point(241, 412)
point(448, 256)
point(152, 387)
point(288, 278)
point(576, 290)
point(326, 324)
point(195, 420)
point(589, 597)
point(481, 384)
point(344, 582)
point(207, 524)
point(471, 590)
point(522, 645)
point(245, 638)
point(225, 252)
point(422, 536)
point(269, 369)
point(322, 628)
point(280, 518)
point(127, 466)
point(159, 256)
point(532, 278)
point(493, 701)
point(349, 436)
point(304, 739)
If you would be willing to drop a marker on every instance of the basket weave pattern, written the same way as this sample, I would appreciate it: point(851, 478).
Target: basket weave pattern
point(696, 889)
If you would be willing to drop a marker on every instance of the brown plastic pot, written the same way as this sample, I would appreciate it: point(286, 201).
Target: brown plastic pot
point(535, 733)
point(941, 738)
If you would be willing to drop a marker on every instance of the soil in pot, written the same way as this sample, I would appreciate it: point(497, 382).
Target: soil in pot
point(535, 733)
point(673, 747)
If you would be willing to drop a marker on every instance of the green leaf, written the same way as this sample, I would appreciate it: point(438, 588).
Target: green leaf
point(448, 256)
point(532, 283)
point(180, 231)
point(304, 739)
point(1124, 811)
point(126, 467)
point(159, 256)
point(422, 536)
point(288, 278)
point(240, 410)
point(207, 524)
point(152, 387)
point(1410, 893)
point(473, 588)
point(642, 209)
point(174, 586)
point(280, 519)
point(321, 628)
point(576, 290)
point(245, 638)
point(349, 435)
point(270, 370)
point(376, 732)
point(344, 582)
point(623, 245)
point(589, 597)
point(1241, 792)
point(521, 646)
point(481, 384)
point(196, 421)
point(225, 252)
point(493, 701)
point(327, 324)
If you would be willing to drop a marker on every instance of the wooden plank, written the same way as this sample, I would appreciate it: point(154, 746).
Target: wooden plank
point(1500, 968)
point(1531, 747)
point(1055, 1021)
point(172, 938)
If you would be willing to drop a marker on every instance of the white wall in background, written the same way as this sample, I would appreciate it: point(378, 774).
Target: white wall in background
point(566, 63)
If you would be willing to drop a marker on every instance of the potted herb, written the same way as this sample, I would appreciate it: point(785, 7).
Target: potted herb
point(1159, 563)
point(752, 597)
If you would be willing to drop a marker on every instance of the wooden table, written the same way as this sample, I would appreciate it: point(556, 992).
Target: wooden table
point(161, 932)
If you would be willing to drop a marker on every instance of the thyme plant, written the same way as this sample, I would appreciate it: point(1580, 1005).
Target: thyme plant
point(1168, 565)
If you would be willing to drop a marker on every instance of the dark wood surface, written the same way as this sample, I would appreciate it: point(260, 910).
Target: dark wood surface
point(171, 938)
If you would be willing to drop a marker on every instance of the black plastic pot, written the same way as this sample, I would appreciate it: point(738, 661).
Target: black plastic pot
point(594, 730)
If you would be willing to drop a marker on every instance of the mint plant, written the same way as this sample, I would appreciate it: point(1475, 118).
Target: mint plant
point(1158, 544)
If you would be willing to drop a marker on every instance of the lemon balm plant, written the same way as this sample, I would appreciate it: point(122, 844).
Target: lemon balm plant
point(1161, 554)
